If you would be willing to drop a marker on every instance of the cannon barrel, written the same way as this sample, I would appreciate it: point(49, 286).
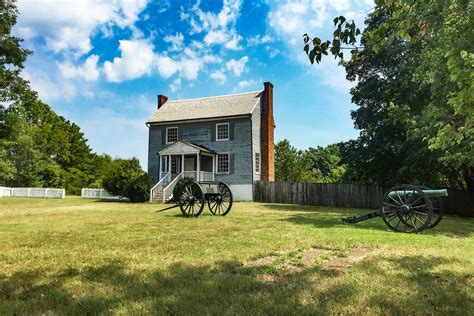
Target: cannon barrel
point(429, 193)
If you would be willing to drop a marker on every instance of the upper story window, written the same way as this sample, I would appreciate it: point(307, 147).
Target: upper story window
point(222, 131)
point(257, 163)
point(171, 135)
point(223, 162)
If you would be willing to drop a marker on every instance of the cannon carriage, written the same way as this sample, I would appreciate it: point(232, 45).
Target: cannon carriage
point(407, 208)
point(195, 195)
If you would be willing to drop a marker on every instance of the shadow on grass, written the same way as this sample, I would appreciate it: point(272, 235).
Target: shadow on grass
point(411, 285)
point(324, 217)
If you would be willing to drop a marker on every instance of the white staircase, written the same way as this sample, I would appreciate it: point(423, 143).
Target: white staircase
point(163, 190)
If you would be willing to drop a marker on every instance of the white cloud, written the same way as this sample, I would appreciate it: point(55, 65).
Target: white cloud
point(245, 84)
point(175, 85)
point(219, 28)
point(259, 39)
point(137, 58)
point(67, 26)
point(87, 71)
point(166, 66)
point(49, 88)
point(188, 67)
point(237, 66)
point(175, 40)
point(218, 75)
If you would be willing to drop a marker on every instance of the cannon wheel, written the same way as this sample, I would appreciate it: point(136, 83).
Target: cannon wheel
point(438, 209)
point(191, 199)
point(407, 209)
point(220, 204)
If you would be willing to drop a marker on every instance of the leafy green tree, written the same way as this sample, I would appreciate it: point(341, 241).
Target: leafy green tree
point(121, 173)
point(415, 92)
point(324, 164)
point(290, 165)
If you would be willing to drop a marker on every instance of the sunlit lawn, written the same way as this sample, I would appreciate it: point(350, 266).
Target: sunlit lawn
point(76, 256)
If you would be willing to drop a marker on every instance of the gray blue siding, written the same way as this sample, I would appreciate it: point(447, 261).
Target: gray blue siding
point(239, 146)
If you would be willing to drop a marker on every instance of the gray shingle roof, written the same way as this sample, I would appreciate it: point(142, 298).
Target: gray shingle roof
point(209, 107)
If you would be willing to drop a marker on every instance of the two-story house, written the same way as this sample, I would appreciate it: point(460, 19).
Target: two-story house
point(225, 138)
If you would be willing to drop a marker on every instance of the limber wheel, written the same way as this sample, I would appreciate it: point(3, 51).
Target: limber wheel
point(407, 209)
point(191, 199)
point(220, 204)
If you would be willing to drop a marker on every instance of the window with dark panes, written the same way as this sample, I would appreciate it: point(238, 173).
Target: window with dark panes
point(171, 134)
point(223, 161)
point(222, 131)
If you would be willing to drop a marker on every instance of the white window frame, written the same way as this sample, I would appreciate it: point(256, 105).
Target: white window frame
point(217, 132)
point(258, 164)
point(177, 134)
point(228, 163)
point(166, 165)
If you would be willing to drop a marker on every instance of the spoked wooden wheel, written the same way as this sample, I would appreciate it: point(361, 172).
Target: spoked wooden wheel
point(406, 209)
point(220, 204)
point(191, 199)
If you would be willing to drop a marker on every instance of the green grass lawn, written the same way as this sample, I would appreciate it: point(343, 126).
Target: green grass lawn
point(76, 256)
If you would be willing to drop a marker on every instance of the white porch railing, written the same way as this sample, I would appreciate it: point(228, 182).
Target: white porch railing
point(156, 188)
point(169, 188)
point(189, 174)
point(206, 176)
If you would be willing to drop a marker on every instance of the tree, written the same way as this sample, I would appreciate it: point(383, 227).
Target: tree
point(414, 92)
point(37, 146)
point(324, 164)
point(290, 165)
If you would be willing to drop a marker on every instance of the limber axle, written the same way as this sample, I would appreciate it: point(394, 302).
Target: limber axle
point(361, 218)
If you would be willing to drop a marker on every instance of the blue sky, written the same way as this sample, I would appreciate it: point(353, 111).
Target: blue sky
point(102, 63)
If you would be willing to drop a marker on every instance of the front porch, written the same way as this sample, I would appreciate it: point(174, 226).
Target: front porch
point(178, 160)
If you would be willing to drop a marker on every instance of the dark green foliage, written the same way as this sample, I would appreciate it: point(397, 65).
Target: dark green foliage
point(126, 178)
point(138, 190)
point(414, 93)
point(180, 185)
point(320, 164)
point(120, 175)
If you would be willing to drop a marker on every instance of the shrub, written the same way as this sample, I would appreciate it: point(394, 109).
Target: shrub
point(180, 185)
point(120, 175)
point(126, 178)
point(138, 190)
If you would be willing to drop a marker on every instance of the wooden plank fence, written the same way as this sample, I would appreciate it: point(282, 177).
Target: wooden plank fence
point(366, 196)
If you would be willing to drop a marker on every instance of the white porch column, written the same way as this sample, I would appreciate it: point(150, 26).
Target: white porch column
point(213, 167)
point(198, 167)
point(169, 165)
point(182, 163)
point(159, 167)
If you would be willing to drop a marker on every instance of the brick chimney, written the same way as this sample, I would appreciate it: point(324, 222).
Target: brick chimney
point(267, 142)
point(161, 100)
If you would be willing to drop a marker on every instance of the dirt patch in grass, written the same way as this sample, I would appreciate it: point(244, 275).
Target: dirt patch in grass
point(341, 262)
point(265, 261)
point(274, 267)
point(309, 256)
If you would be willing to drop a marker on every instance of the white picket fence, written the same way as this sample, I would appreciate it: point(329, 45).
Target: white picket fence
point(33, 192)
point(100, 194)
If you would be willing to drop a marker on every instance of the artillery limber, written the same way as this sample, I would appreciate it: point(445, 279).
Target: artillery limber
point(192, 197)
point(407, 208)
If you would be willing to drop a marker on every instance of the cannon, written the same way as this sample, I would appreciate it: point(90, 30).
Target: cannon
point(407, 208)
point(195, 195)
